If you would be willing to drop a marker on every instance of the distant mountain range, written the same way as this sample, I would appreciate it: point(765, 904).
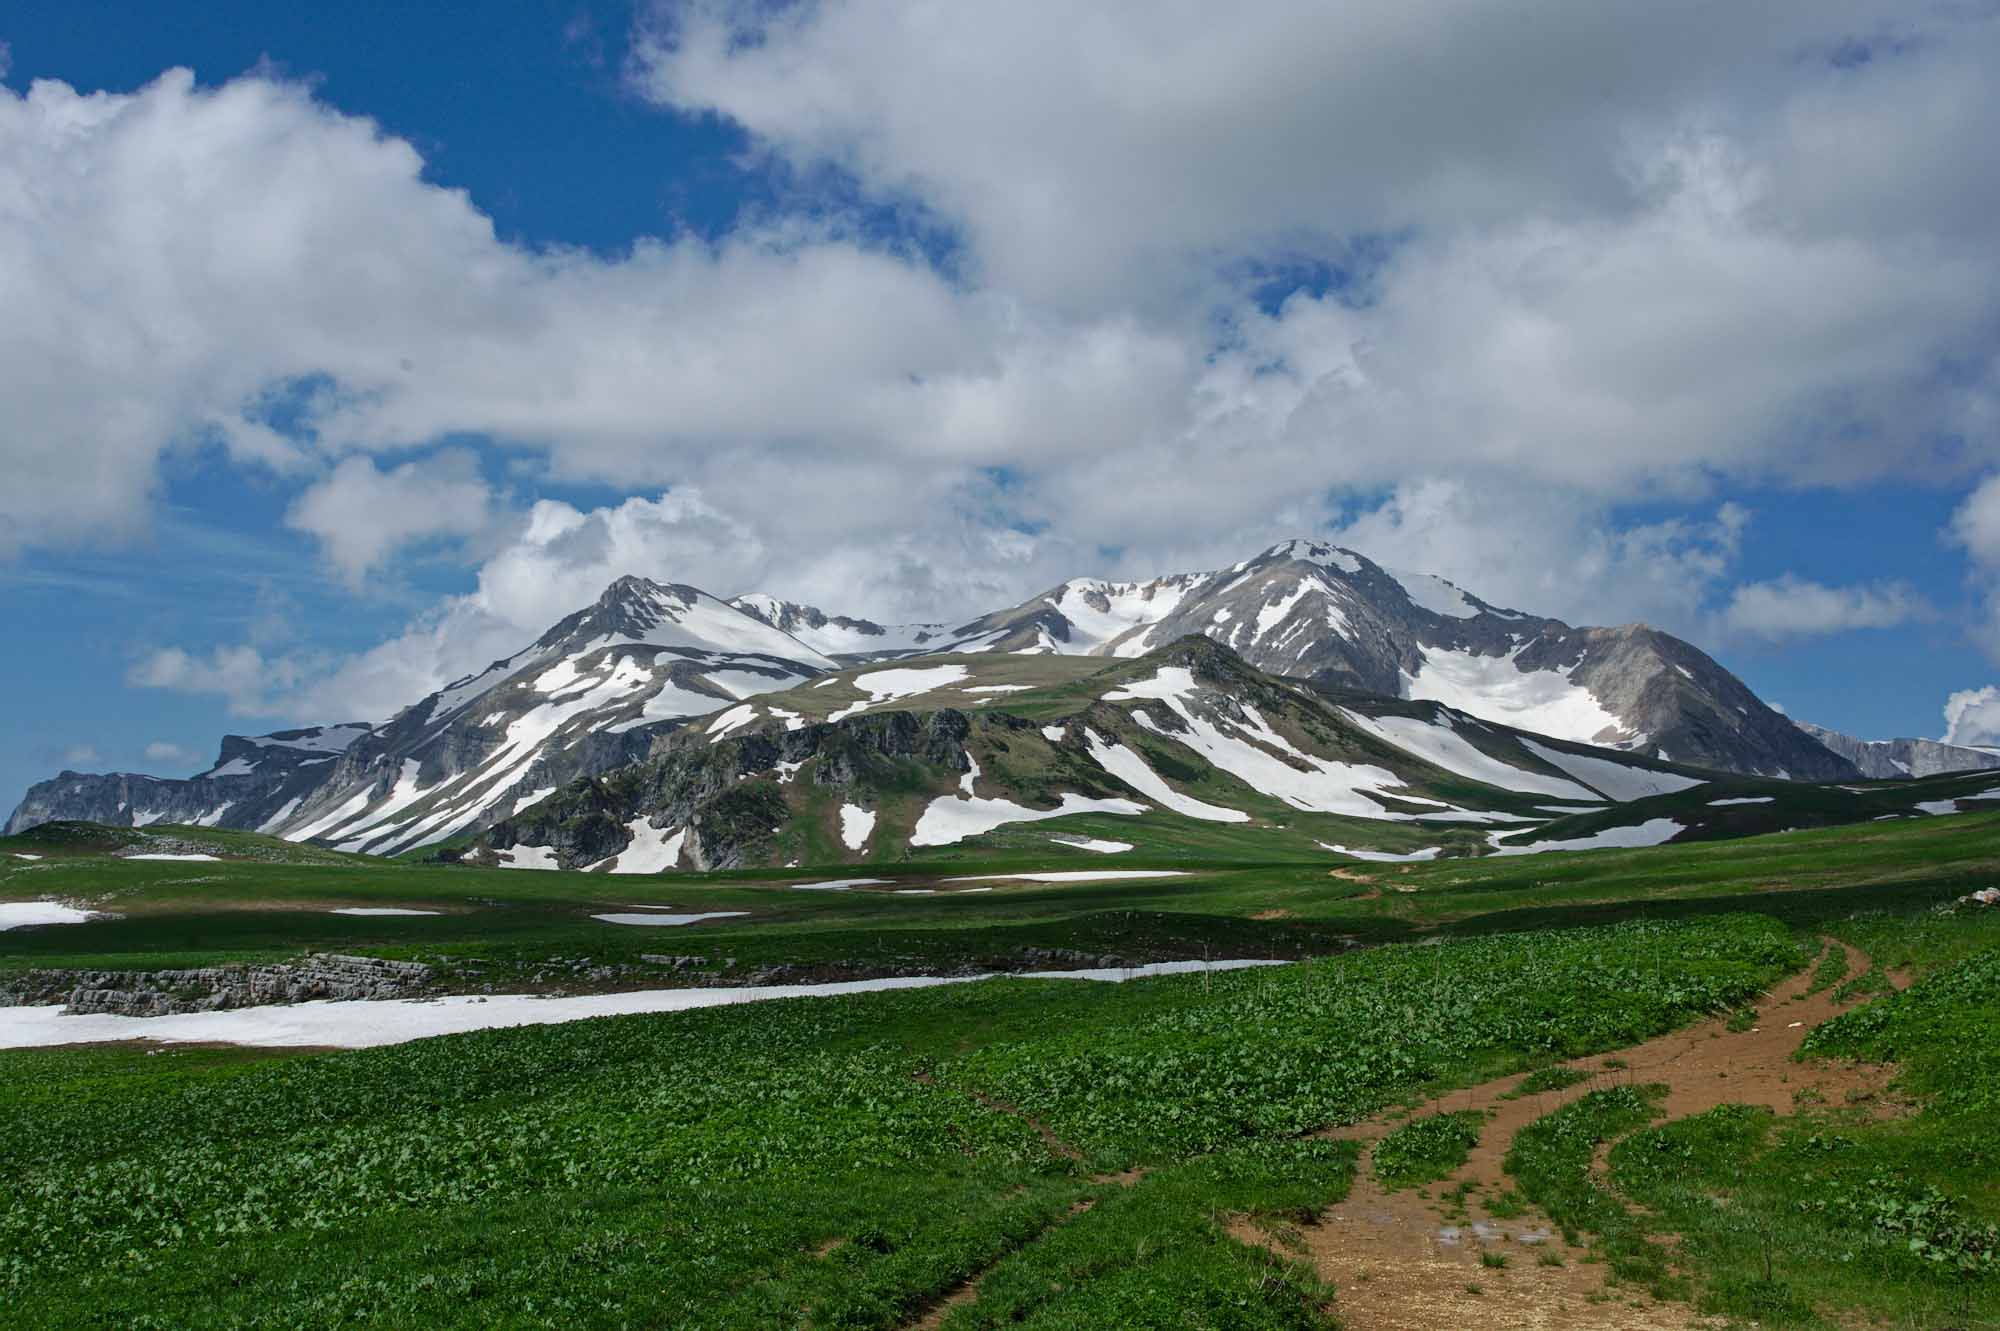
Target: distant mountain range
point(605, 687)
point(1886, 759)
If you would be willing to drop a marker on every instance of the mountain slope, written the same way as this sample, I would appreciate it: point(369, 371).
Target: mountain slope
point(1323, 613)
point(1181, 748)
point(589, 695)
point(1892, 758)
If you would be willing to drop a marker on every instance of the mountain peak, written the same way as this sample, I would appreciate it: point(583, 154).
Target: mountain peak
point(1313, 552)
point(629, 585)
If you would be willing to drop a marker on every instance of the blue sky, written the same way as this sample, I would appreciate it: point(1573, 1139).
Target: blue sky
point(356, 358)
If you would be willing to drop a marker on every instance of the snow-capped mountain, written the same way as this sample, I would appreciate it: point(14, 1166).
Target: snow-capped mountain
point(596, 690)
point(590, 694)
point(1185, 747)
point(1891, 758)
point(1324, 613)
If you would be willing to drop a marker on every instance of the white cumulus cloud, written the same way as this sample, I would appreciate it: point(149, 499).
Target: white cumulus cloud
point(1788, 607)
point(1972, 716)
point(1976, 524)
point(362, 515)
point(1456, 285)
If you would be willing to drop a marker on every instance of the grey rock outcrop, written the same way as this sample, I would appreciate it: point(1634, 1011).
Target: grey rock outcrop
point(254, 778)
point(160, 993)
point(691, 783)
point(1883, 759)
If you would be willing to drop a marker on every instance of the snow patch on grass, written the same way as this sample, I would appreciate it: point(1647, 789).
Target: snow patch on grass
point(1494, 687)
point(1615, 780)
point(25, 914)
point(1072, 876)
point(1315, 784)
point(659, 920)
point(1652, 832)
point(371, 1023)
point(903, 682)
point(1383, 856)
point(529, 857)
point(1442, 746)
point(653, 849)
point(1130, 768)
point(1092, 843)
point(730, 720)
point(856, 825)
point(952, 818)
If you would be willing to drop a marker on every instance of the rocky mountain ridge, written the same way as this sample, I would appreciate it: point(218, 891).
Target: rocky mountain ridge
point(1888, 759)
point(1320, 612)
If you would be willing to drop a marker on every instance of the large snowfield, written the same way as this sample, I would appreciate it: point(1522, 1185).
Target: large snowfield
point(1544, 701)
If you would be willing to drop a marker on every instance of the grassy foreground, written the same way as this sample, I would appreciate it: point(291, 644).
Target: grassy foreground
point(693, 1172)
point(1072, 1153)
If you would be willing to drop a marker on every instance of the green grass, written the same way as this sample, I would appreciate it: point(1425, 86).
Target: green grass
point(1425, 1150)
point(691, 1169)
point(1550, 1161)
point(685, 1170)
point(1544, 1080)
point(1835, 1212)
point(1832, 969)
point(509, 922)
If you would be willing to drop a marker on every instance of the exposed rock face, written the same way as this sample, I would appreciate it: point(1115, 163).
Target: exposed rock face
point(701, 786)
point(254, 777)
point(1889, 758)
point(206, 989)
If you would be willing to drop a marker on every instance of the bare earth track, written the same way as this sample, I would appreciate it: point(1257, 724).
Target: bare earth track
point(1410, 1261)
